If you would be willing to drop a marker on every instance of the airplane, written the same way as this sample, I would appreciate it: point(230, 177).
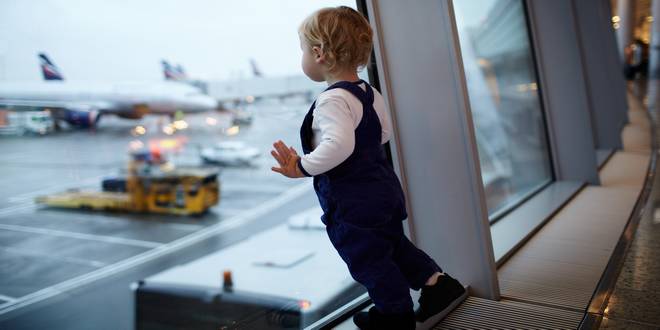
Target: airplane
point(255, 68)
point(49, 69)
point(260, 86)
point(178, 74)
point(174, 73)
point(82, 104)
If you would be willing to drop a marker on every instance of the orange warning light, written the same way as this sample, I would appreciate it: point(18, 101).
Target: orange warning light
point(227, 281)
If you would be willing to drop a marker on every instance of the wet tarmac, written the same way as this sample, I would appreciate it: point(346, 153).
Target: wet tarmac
point(55, 262)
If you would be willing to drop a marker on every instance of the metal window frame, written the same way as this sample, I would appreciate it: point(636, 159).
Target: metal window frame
point(566, 109)
point(465, 223)
point(500, 214)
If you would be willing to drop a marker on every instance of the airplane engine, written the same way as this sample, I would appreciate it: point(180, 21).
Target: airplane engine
point(139, 110)
point(82, 118)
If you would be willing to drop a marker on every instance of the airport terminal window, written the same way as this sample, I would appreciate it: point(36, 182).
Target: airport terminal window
point(129, 127)
point(504, 97)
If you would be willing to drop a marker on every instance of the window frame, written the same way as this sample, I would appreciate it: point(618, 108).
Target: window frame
point(511, 206)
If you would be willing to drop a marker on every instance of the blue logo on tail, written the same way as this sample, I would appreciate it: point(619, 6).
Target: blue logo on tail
point(171, 72)
point(49, 69)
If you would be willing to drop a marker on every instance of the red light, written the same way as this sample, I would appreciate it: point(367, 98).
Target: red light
point(304, 304)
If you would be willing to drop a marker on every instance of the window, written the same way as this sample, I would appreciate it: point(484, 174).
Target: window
point(504, 97)
point(100, 100)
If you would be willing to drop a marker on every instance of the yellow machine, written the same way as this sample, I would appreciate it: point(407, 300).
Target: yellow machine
point(149, 188)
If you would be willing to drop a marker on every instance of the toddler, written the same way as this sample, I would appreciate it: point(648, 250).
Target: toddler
point(363, 204)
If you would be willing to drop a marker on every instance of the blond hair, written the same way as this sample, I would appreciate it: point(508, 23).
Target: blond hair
point(342, 33)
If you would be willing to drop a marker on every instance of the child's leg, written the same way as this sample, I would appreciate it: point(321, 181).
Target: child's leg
point(368, 255)
point(414, 263)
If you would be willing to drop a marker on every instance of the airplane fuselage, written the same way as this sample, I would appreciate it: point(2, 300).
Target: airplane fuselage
point(123, 99)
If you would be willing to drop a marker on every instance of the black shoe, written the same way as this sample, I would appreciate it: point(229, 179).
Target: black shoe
point(375, 320)
point(437, 300)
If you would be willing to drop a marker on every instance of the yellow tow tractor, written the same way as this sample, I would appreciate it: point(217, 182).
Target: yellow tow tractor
point(151, 186)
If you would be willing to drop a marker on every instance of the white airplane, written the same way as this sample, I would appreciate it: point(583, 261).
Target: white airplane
point(257, 87)
point(173, 72)
point(176, 73)
point(82, 104)
point(261, 86)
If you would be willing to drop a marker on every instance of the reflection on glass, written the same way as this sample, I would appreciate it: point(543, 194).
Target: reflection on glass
point(506, 107)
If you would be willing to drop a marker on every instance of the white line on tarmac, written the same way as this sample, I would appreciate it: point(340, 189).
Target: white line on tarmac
point(26, 202)
point(7, 298)
point(182, 226)
point(16, 209)
point(231, 211)
point(89, 237)
point(118, 219)
point(237, 221)
point(54, 188)
point(78, 261)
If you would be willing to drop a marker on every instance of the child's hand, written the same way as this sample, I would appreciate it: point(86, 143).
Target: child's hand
point(288, 160)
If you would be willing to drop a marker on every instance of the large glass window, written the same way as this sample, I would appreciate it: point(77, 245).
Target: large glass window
point(504, 97)
point(130, 129)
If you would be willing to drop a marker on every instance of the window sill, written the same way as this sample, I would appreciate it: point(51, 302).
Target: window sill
point(602, 156)
point(511, 231)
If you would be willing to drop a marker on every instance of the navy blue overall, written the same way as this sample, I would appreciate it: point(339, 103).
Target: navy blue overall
point(363, 209)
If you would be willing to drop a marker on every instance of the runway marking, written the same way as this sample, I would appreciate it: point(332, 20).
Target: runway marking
point(118, 219)
point(92, 263)
point(54, 188)
point(89, 237)
point(186, 241)
point(26, 200)
point(231, 211)
point(183, 226)
point(16, 209)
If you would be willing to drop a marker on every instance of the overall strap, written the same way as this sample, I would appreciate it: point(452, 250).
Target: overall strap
point(306, 132)
point(365, 96)
point(369, 131)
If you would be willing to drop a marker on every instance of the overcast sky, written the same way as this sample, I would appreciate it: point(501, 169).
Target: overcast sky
point(124, 40)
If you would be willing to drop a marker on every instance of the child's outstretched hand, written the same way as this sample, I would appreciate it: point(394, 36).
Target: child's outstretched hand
point(288, 160)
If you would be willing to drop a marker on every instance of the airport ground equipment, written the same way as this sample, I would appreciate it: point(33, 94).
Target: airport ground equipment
point(230, 153)
point(25, 122)
point(286, 277)
point(150, 187)
point(241, 117)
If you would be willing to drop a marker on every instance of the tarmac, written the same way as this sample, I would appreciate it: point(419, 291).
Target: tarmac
point(56, 263)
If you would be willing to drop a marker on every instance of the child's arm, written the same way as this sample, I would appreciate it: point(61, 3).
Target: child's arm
point(288, 158)
point(337, 129)
point(334, 129)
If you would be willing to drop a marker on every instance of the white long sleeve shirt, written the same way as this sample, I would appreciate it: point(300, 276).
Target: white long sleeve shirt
point(336, 116)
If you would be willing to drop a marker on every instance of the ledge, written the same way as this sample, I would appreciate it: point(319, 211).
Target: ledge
point(607, 282)
point(602, 156)
point(513, 230)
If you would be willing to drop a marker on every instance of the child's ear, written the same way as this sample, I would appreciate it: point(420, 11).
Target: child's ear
point(319, 55)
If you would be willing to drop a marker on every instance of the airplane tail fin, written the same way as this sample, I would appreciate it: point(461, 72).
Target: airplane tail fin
point(171, 72)
point(48, 68)
point(255, 68)
point(181, 71)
